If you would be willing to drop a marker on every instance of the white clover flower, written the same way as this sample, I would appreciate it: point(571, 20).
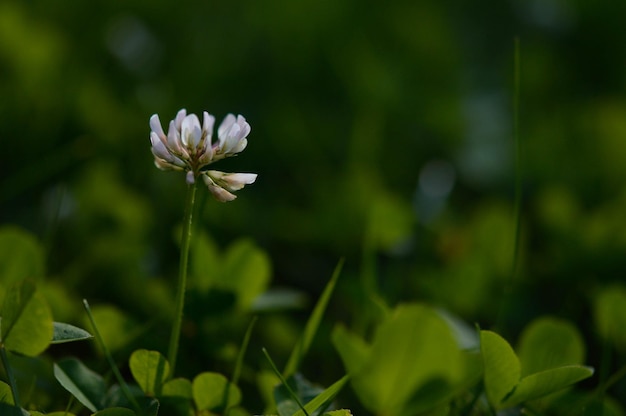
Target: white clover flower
point(188, 147)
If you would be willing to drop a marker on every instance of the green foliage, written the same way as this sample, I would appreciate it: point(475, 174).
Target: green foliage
point(504, 385)
point(63, 333)
point(303, 345)
point(86, 385)
point(6, 396)
point(150, 369)
point(401, 371)
point(21, 257)
point(213, 391)
point(610, 315)
point(26, 320)
point(351, 107)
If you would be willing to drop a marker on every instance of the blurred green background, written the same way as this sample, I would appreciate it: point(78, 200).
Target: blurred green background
point(381, 132)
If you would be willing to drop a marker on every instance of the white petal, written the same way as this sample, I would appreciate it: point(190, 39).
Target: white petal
point(180, 117)
point(240, 146)
point(231, 181)
point(155, 125)
point(158, 148)
point(207, 125)
point(229, 120)
point(190, 178)
point(245, 127)
point(191, 132)
point(218, 192)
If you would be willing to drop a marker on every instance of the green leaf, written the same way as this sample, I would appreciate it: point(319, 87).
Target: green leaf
point(549, 343)
point(6, 395)
point(546, 382)
point(246, 272)
point(610, 315)
point(404, 360)
point(87, 386)
point(68, 333)
point(323, 398)
point(150, 369)
point(341, 412)
point(10, 410)
point(302, 347)
point(27, 320)
point(115, 411)
point(501, 366)
point(178, 387)
point(354, 351)
point(213, 391)
point(21, 256)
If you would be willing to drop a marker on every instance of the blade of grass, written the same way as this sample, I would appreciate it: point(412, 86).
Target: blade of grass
point(312, 325)
point(324, 397)
point(109, 358)
point(517, 203)
point(293, 394)
point(242, 351)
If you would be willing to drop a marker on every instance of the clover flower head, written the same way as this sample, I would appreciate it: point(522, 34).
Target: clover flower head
point(188, 147)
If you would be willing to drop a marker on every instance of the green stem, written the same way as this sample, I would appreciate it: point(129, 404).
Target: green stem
point(182, 277)
point(11, 377)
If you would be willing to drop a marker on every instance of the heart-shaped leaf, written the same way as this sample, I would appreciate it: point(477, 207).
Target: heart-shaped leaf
point(150, 369)
point(213, 391)
point(403, 360)
point(26, 320)
point(86, 385)
point(549, 343)
point(178, 387)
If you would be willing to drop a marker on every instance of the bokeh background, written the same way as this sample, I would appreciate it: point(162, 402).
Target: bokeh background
point(381, 132)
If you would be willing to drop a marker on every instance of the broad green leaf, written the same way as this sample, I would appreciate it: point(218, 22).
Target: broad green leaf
point(87, 386)
point(246, 272)
point(213, 391)
point(324, 398)
point(115, 411)
point(27, 321)
point(404, 358)
point(68, 333)
point(21, 256)
point(204, 264)
point(150, 369)
point(354, 351)
point(546, 382)
point(501, 367)
point(178, 387)
point(10, 410)
point(6, 395)
point(341, 412)
point(302, 347)
point(610, 315)
point(549, 343)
